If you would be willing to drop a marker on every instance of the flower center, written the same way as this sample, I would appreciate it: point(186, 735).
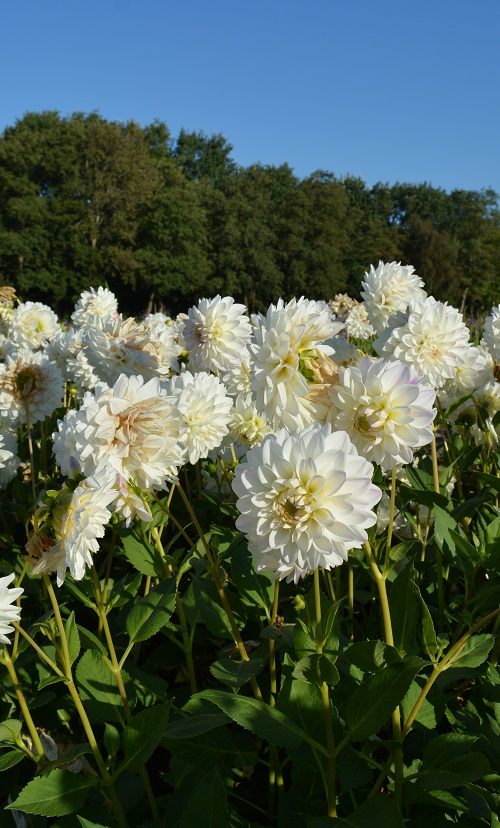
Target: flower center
point(291, 509)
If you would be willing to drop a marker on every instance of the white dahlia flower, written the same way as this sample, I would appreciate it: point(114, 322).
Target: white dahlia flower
point(492, 333)
point(385, 409)
point(32, 324)
point(357, 323)
point(8, 613)
point(121, 346)
point(205, 412)
point(248, 426)
point(79, 523)
point(237, 378)
point(31, 387)
point(475, 372)
point(9, 460)
point(133, 425)
point(344, 353)
point(128, 505)
point(305, 498)
point(389, 289)
point(216, 332)
point(432, 339)
point(101, 302)
point(341, 304)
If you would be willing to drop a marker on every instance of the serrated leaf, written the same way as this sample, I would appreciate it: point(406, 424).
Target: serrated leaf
point(67, 757)
point(10, 731)
point(89, 641)
point(447, 764)
point(98, 688)
point(111, 739)
point(9, 758)
point(371, 655)
point(316, 669)
point(72, 637)
point(236, 673)
point(142, 555)
point(376, 811)
point(373, 701)
point(60, 793)
point(151, 612)
point(207, 804)
point(142, 735)
point(255, 588)
point(256, 716)
point(475, 652)
point(86, 823)
point(404, 611)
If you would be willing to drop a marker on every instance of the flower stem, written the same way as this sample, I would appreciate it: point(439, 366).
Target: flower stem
point(391, 521)
point(325, 704)
point(188, 646)
point(6, 659)
point(439, 557)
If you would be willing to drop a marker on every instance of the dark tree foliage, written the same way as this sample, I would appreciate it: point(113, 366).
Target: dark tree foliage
point(85, 201)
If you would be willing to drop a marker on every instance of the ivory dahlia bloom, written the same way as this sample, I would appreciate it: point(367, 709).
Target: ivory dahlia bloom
point(389, 289)
point(216, 333)
point(305, 499)
point(8, 613)
point(385, 409)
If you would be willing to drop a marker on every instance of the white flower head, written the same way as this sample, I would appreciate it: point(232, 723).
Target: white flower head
point(476, 371)
point(357, 323)
point(248, 426)
point(341, 304)
point(9, 613)
point(432, 339)
point(121, 346)
point(101, 302)
point(9, 461)
point(388, 289)
point(492, 333)
point(31, 387)
point(385, 409)
point(33, 324)
point(83, 520)
point(205, 412)
point(133, 425)
point(216, 332)
point(305, 499)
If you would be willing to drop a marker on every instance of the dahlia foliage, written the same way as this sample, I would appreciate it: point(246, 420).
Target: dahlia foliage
point(271, 534)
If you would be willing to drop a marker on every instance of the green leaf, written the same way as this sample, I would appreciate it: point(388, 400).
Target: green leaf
point(376, 811)
point(142, 735)
point(151, 612)
point(209, 606)
point(447, 764)
point(428, 633)
point(69, 755)
point(220, 746)
point(111, 739)
point(372, 703)
point(464, 548)
point(371, 655)
point(98, 688)
point(236, 673)
point(316, 669)
point(89, 641)
point(9, 758)
point(475, 651)
point(142, 555)
point(10, 731)
point(73, 638)
point(431, 710)
point(86, 823)
point(404, 611)
point(443, 524)
point(60, 793)
point(254, 588)
point(256, 716)
point(207, 804)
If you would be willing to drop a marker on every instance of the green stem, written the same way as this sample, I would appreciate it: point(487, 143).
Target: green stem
point(220, 589)
point(6, 659)
point(331, 794)
point(381, 581)
point(39, 650)
point(188, 645)
point(439, 557)
point(391, 521)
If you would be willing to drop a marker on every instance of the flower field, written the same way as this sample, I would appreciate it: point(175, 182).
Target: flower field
point(249, 564)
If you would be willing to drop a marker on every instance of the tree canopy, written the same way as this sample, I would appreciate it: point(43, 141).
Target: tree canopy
point(162, 221)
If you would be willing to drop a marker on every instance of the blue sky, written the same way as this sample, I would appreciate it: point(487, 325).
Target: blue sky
point(387, 90)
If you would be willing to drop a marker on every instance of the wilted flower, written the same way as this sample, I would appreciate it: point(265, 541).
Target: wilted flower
point(385, 409)
point(8, 613)
point(389, 289)
point(341, 304)
point(31, 387)
point(305, 499)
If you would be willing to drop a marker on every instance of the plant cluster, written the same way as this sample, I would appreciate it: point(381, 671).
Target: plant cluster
point(249, 565)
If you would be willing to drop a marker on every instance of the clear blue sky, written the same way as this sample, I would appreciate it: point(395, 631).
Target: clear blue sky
point(388, 90)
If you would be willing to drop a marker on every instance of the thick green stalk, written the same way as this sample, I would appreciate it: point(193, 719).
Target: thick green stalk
point(6, 659)
point(439, 557)
point(391, 522)
point(331, 793)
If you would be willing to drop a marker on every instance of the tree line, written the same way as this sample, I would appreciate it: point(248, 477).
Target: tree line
point(163, 221)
